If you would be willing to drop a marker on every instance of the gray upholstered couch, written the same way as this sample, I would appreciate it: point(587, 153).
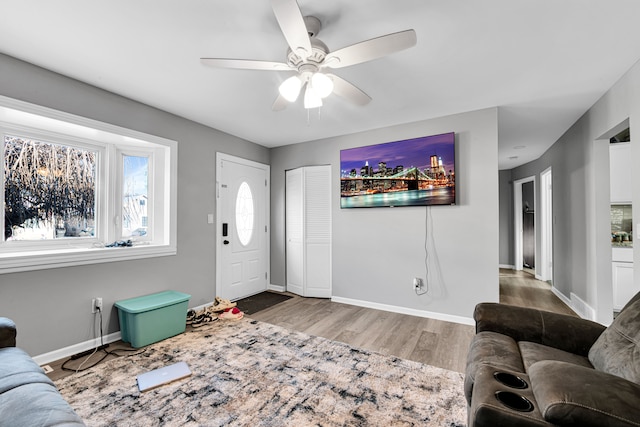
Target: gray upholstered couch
point(529, 367)
point(27, 396)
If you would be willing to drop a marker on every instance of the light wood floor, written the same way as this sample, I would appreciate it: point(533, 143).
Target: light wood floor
point(429, 341)
point(522, 289)
point(433, 342)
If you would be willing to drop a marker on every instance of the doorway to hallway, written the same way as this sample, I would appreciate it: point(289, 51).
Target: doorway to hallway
point(528, 227)
point(524, 224)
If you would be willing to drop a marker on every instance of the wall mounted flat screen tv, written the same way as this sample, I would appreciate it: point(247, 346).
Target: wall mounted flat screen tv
point(411, 172)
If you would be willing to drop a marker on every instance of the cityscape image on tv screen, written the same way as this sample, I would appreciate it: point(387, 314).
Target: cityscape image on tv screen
point(412, 172)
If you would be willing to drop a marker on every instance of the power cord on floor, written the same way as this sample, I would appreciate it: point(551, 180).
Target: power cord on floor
point(101, 347)
point(426, 256)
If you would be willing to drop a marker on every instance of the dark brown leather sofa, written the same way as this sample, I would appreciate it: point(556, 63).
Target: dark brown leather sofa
point(529, 367)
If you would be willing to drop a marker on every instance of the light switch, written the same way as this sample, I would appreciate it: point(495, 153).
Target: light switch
point(210, 218)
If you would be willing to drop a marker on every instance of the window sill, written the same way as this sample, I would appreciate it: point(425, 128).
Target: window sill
point(40, 260)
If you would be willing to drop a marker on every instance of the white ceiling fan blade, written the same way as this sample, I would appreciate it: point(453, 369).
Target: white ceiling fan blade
point(371, 49)
point(348, 91)
point(292, 25)
point(280, 103)
point(245, 64)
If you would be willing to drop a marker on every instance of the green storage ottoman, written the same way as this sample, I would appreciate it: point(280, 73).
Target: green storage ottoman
point(152, 318)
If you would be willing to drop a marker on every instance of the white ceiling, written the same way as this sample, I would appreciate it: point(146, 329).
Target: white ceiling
point(544, 62)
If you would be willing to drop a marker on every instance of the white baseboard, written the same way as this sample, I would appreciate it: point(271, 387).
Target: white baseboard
point(65, 352)
point(404, 310)
point(200, 307)
point(577, 304)
point(507, 266)
point(581, 307)
point(52, 356)
point(562, 297)
point(277, 288)
point(43, 359)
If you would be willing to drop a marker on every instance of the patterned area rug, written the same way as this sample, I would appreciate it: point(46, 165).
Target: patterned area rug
point(250, 373)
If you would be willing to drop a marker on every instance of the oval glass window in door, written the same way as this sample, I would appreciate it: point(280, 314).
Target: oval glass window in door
point(244, 214)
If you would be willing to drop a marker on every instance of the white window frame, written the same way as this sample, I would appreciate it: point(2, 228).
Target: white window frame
point(151, 207)
point(111, 142)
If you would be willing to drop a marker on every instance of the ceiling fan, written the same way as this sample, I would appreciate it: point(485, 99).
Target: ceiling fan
point(310, 58)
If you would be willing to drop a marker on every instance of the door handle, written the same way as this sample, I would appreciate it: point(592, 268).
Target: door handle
point(226, 242)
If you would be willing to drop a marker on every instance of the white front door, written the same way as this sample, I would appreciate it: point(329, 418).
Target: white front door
point(242, 261)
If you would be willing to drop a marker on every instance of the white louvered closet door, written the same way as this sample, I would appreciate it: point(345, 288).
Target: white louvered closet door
point(308, 231)
point(294, 215)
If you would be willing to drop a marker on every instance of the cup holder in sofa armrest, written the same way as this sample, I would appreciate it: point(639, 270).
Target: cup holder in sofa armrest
point(514, 401)
point(510, 380)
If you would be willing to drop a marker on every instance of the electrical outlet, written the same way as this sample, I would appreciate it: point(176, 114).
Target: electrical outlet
point(417, 283)
point(96, 303)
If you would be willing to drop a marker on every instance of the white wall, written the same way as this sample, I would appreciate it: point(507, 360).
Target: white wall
point(377, 251)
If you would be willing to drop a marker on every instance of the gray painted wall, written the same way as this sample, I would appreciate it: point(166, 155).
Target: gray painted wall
point(580, 168)
point(376, 252)
point(52, 307)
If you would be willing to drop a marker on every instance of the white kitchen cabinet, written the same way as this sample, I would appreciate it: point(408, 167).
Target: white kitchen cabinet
point(308, 231)
point(620, 166)
point(623, 288)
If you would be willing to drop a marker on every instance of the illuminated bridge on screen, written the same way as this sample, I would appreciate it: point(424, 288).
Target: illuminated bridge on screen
point(409, 179)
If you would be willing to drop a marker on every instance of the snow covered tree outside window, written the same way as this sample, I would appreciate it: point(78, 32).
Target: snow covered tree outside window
point(49, 190)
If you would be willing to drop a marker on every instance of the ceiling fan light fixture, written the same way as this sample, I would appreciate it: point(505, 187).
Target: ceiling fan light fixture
point(290, 88)
point(322, 84)
point(311, 98)
point(306, 55)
